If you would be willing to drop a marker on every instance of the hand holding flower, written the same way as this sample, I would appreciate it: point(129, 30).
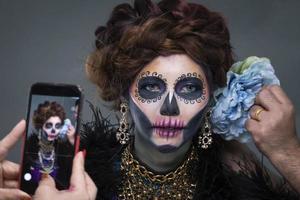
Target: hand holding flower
point(233, 102)
point(273, 129)
point(252, 103)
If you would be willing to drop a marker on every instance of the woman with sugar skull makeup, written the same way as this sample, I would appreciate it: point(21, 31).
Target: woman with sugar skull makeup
point(160, 63)
point(165, 61)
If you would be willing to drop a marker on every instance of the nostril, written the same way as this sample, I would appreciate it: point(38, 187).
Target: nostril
point(164, 112)
point(170, 108)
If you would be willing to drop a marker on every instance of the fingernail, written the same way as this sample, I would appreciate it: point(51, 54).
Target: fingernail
point(84, 153)
point(44, 176)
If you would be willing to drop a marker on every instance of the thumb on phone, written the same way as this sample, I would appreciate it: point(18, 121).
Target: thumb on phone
point(80, 180)
point(77, 181)
point(46, 186)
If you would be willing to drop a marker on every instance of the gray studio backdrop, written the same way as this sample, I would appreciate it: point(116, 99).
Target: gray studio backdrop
point(49, 41)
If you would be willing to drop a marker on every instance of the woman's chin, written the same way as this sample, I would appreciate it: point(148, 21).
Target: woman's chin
point(167, 140)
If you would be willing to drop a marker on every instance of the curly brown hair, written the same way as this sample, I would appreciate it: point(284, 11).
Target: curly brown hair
point(134, 36)
point(45, 111)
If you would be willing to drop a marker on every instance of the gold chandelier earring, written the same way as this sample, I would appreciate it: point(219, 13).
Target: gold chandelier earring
point(123, 133)
point(205, 137)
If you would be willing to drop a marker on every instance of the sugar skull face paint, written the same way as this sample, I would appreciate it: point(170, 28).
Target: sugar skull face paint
point(51, 128)
point(167, 101)
point(150, 87)
point(190, 88)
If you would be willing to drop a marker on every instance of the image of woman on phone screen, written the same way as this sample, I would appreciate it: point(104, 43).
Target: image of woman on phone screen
point(44, 152)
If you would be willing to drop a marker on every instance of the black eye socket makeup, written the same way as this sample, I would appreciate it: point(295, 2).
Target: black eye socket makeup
point(150, 87)
point(49, 125)
point(190, 88)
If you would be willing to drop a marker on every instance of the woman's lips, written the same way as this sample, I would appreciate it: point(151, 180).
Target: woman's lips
point(167, 133)
point(168, 128)
point(51, 137)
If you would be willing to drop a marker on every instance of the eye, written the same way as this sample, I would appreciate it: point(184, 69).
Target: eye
point(48, 125)
point(188, 88)
point(58, 125)
point(152, 88)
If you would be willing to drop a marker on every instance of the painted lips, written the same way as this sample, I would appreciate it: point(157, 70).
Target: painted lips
point(168, 128)
point(52, 137)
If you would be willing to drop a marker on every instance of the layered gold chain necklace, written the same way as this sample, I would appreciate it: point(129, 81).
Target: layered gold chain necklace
point(140, 183)
point(46, 155)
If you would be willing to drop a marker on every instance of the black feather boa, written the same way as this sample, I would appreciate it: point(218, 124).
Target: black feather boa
point(216, 181)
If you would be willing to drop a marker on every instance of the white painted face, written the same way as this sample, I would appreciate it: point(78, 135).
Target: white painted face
point(52, 128)
point(166, 97)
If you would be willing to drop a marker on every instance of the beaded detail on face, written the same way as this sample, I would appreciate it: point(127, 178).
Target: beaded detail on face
point(140, 183)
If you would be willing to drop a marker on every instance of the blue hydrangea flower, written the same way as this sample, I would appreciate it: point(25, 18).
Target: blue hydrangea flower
point(244, 80)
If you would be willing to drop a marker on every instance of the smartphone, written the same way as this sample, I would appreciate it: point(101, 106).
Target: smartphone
point(51, 141)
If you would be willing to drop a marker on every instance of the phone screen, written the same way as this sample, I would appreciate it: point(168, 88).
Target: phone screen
point(50, 141)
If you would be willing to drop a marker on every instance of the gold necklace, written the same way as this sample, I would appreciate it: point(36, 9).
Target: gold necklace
point(140, 183)
point(46, 147)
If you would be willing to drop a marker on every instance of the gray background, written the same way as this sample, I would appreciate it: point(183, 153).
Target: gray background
point(49, 41)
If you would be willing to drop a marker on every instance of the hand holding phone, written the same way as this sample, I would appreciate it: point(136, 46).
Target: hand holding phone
point(9, 171)
point(82, 186)
point(50, 142)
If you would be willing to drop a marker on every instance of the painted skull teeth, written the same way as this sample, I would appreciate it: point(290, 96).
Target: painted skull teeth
point(167, 134)
point(169, 123)
point(168, 127)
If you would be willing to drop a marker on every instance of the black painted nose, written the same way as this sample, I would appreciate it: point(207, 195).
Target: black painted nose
point(52, 131)
point(169, 108)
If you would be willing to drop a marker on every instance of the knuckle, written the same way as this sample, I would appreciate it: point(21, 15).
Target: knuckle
point(263, 94)
point(274, 87)
point(264, 91)
point(248, 126)
point(290, 108)
point(3, 151)
point(260, 94)
point(257, 139)
point(253, 108)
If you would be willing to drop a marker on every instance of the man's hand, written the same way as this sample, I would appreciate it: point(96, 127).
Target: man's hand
point(273, 129)
point(272, 122)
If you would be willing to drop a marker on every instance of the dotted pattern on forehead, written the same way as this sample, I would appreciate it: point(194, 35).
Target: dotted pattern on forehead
point(194, 75)
point(148, 74)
